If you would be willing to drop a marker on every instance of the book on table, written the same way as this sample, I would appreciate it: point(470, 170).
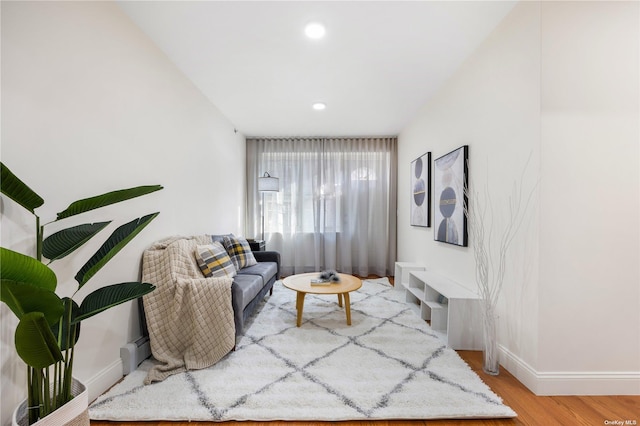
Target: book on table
point(320, 281)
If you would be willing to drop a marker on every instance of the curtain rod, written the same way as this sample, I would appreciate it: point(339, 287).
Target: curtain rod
point(318, 137)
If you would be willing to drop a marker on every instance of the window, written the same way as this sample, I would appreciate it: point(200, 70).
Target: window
point(335, 198)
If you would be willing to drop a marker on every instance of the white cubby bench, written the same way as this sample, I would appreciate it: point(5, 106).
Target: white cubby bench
point(452, 309)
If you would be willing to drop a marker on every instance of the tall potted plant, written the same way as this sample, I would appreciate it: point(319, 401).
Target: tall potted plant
point(49, 326)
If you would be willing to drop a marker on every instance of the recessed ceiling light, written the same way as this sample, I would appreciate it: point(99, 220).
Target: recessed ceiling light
point(314, 30)
point(319, 106)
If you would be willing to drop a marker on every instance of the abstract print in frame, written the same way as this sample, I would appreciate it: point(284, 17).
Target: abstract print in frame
point(450, 198)
point(421, 191)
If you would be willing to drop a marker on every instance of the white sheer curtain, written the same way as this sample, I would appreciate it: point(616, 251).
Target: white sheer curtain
point(336, 208)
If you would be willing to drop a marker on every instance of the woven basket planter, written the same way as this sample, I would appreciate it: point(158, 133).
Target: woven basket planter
point(73, 413)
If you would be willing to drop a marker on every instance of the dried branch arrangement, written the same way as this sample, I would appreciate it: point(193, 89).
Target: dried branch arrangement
point(491, 236)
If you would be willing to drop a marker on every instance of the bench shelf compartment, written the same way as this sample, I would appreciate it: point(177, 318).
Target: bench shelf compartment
point(453, 310)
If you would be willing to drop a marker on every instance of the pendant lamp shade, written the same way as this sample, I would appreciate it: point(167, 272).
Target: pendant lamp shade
point(268, 183)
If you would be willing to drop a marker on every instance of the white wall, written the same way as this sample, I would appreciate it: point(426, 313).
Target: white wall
point(89, 105)
point(491, 104)
point(590, 235)
point(557, 81)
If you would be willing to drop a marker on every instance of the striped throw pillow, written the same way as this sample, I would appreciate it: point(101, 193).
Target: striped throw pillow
point(239, 251)
point(214, 261)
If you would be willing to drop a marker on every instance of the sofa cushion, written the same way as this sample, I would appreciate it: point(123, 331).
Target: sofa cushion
point(245, 288)
point(264, 269)
point(214, 261)
point(239, 252)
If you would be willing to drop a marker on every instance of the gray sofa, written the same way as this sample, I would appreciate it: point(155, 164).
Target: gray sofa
point(194, 318)
point(251, 284)
point(248, 288)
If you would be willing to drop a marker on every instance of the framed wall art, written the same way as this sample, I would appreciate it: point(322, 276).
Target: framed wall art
point(450, 185)
point(421, 191)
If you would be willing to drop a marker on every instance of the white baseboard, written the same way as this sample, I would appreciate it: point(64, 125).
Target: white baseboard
point(104, 379)
point(519, 369)
point(570, 383)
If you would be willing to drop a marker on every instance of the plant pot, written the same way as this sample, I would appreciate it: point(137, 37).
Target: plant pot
point(73, 413)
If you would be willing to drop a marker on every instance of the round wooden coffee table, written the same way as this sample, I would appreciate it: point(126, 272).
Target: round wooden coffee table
point(301, 283)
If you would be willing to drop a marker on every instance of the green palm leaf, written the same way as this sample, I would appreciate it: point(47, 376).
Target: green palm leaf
point(23, 298)
point(64, 242)
point(103, 200)
point(35, 343)
point(15, 266)
point(118, 239)
point(109, 296)
point(17, 190)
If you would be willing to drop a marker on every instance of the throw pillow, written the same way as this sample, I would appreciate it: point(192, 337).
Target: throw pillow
point(220, 237)
point(239, 252)
point(214, 261)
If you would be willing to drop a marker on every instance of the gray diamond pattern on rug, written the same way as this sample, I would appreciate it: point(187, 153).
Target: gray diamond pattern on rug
point(386, 365)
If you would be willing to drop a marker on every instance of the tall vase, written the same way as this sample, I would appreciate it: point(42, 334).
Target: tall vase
point(490, 361)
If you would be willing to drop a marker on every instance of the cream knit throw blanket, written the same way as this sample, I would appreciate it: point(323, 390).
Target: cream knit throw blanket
point(190, 318)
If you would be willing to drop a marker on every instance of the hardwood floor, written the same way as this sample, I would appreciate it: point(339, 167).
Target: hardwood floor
point(531, 409)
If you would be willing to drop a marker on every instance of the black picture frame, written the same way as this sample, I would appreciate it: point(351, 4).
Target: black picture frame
point(450, 197)
point(420, 203)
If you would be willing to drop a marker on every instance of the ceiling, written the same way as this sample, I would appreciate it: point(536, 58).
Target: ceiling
point(379, 62)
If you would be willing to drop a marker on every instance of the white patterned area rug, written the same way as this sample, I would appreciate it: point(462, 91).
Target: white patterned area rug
point(386, 365)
